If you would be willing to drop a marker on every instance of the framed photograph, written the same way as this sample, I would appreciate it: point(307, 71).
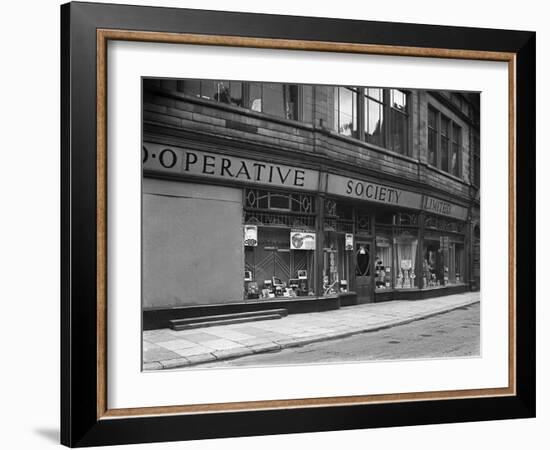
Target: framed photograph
point(372, 181)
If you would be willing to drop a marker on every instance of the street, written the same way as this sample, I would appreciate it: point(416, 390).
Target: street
point(452, 334)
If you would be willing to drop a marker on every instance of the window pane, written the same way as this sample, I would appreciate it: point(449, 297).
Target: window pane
point(347, 116)
point(376, 93)
point(273, 101)
point(383, 262)
point(399, 132)
point(374, 122)
point(432, 145)
point(255, 96)
point(432, 118)
point(192, 87)
point(432, 136)
point(209, 89)
point(405, 261)
point(279, 201)
point(307, 104)
point(455, 161)
point(290, 99)
point(222, 93)
point(169, 84)
point(236, 93)
point(398, 100)
point(444, 147)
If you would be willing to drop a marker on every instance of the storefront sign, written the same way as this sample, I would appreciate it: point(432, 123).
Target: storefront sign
point(302, 240)
point(349, 241)
point(372, 192)
point(250, 236)
point(161, 158)
point(436, 206)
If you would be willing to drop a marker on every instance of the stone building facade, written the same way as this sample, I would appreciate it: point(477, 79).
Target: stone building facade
point(307, 197)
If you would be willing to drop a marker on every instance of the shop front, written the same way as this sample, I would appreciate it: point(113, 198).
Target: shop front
point(225, 234)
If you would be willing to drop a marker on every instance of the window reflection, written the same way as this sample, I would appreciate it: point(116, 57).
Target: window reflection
point(374, 116)
point(345, 116)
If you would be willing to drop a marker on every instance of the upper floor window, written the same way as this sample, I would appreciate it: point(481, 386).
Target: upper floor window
point(476, 159)
point(399, 121)
point(433, 133)
point(444, 142)
point(345, 111)
point(277, 99)
point(230, 92)
point(374, 116)
point(386, 116)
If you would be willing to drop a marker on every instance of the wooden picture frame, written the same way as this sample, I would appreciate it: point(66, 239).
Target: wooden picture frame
point(86, 418)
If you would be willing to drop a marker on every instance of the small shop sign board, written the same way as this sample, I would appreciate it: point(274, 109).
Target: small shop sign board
point(302, 240)
point(250, 237)
point(349, 241)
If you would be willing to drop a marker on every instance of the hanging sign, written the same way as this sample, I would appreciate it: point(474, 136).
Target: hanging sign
point(302, 240)
point(349, 241)
point(250, 236)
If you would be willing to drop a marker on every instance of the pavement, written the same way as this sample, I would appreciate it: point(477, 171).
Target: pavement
point(169, 349)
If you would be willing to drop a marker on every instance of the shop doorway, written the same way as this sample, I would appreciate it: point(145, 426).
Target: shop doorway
point(363, 272)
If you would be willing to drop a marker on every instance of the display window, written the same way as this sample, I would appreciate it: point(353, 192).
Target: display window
point(433, 265)
point(383, 263)
point(405, 251)
point(336, 264)
point(273, 269)
point(443, 262)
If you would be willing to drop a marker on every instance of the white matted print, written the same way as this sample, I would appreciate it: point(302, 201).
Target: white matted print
point(128, 386)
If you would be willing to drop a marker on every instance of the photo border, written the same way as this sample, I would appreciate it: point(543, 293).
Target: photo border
point(86, 29)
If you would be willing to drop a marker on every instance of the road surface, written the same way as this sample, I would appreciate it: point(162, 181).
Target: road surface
point(452, 334)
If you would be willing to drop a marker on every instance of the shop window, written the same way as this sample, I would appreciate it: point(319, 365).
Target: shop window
point(345, 111)
point(273, 269)
point(443, 262)
point(336, 264)
point(405, 248)
point(383, 263)
point(456, 263)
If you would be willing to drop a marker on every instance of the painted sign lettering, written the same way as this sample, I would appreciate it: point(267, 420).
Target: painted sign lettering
point(160, 158)
point(373, 192)
point(437, 206)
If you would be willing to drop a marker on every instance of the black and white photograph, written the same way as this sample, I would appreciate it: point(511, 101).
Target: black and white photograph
point(287, 224)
